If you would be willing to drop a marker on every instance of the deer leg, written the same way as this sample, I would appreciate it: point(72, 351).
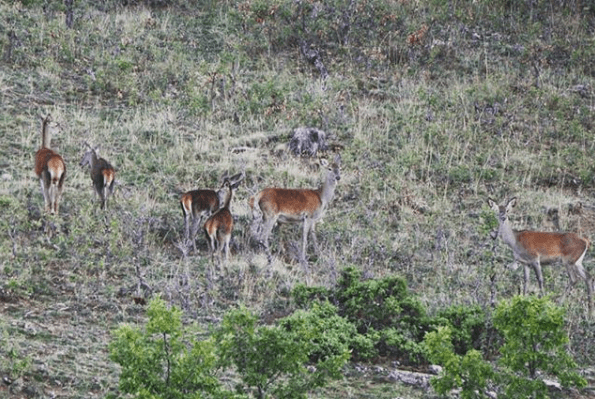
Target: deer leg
point(195, 226)
point(589, 283)
point(227, 239)
point(187, 230)
point(53, 202)
point(213, 247)
point(266, 231)
point(57, 199)
point(103, 197)
point(307, 224)
point(526, 278)
point(314, 239)
point(537, 268)
point(46, 198)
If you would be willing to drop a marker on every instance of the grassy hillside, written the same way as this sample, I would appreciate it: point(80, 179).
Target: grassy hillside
point(433, 105)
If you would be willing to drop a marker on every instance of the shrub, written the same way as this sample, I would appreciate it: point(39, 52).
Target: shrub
point(467, 326)
point(535, 341)
point(469, 372)
point(274, 359)
point(389, 320)
point(164, 360)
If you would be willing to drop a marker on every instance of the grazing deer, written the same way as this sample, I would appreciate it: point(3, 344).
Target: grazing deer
point(219, 226)
point(197, 204)
point(534, 248)
point(282, 205)
point(50, 168)
point(102, 174)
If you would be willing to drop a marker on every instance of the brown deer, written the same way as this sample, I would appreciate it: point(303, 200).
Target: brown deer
point(219, 226)
point(534, 248)
point(51, 170)
point(197, 204)
point(102, 174)
point(282, 205)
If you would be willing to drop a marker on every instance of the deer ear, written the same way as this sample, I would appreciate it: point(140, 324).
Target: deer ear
point(511, 204)
point(324, 162)
point(492, 204)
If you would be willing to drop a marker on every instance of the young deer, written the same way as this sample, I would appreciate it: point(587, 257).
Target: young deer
point(51, 170)
point(281, 205)
point(219, 226)
point(102, 174)
point(534, 248)
point(197, 204)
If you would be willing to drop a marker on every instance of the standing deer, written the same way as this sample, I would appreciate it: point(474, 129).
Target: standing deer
point(197, 204)
point(219, 226)
point(534, 248)
point(51, 170)
point(102, 174)
point(282, 205)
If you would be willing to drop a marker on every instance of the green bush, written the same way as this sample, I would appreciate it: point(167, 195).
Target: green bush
point(389, 320)
point(274, 360)
point(164, 360)
point(535, 339)
point(467, 326)
point(470, 372)
point(534, 348)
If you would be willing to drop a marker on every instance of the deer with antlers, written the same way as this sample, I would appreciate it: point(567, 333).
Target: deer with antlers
point(50, 169)
point(197, 204)
point(534, 248)
point(306, 206)
point(102, 174)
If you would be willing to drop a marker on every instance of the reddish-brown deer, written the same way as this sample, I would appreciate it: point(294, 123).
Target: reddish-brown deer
point(219, 226)
point(197, 204)
point(534, 248)
point(50, 169)
point(306, 206)
point(102, 174)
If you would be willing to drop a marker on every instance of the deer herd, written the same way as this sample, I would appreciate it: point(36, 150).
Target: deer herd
point(300, 206)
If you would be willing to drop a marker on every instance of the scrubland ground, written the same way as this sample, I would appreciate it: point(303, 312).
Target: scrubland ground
point(493, 99)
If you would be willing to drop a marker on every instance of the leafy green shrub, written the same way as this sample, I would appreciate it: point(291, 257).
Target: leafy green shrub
point(467, 326)
point(469, 372)
point(535, 341)
point(303, 295)
point(388, 319)
point(274, 359)
point(327, 333)
point(164, 360)
point(387, 307)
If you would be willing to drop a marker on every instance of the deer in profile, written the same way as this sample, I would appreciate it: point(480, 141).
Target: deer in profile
point(102, 174)
point(305, 206)
point(50, 169)
point(534, 248)
point(197, 204)
point(219, 226)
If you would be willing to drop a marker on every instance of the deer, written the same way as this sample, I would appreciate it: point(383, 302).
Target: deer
point(50, 169)
point(306, 206)
point(534, 248)
point(201, 203)
point(102, 174)
point(219, 226)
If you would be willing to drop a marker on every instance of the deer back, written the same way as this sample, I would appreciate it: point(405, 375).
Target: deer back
point(197, 201)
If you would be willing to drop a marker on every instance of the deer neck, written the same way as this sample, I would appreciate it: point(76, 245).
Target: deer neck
point(94, 159)
point(507, 234)
point(327, 191)
point(228, 198)
point(46, 136)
